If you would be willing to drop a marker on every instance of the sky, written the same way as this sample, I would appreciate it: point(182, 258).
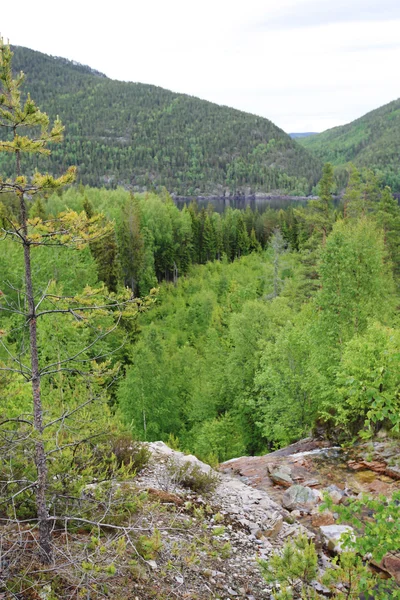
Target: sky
point(307, 65)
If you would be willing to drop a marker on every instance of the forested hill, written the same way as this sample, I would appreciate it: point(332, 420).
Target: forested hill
point(372, 141)
point(144, 136)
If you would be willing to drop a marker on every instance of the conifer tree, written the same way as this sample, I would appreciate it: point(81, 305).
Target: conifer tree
point(352, 199)
point(16, 116)
point(388, 218)
point(321, 210)
point(131, 244)
point(67, 229)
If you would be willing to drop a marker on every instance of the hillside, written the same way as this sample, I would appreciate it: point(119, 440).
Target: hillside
point(372, 141)
point(143, 136)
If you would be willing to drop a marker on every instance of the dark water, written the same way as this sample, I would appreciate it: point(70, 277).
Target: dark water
point(261, 203)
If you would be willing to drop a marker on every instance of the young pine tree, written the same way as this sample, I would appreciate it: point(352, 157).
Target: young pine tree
point(26, 130)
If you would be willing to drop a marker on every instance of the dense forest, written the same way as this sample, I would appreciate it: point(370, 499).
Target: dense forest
point(371, 141)
point(124, 319)
point(144, 137)
point(256, 314)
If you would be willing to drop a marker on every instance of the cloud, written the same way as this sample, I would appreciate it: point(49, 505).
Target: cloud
point(371, 47)
point(314, 13)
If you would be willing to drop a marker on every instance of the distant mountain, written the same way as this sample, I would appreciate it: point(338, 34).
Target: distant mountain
point(372, 141)
point(302, 135)
point(142, 136)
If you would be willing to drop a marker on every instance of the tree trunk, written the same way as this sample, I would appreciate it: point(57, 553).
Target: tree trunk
point(40, 455)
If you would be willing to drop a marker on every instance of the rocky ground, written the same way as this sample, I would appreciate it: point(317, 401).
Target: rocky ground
point(261, 501)
point(181, 530)
point(297, 476)
point(237, 523)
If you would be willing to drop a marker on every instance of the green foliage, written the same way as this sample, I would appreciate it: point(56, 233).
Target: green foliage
point(371, 141)
point(388, 219)
point(319, 213)
point(284, 384)
point(144, 137)
point(368, 381)
point(296, 565)
point(149, 547)
point(219, 439)
point(355, 283)
point(379, 533)
point(190, 475)
point(193, 364)
point(295, 569)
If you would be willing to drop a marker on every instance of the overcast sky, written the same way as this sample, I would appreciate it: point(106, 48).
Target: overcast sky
point(305, 64)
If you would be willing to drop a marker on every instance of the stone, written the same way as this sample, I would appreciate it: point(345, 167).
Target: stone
point(391, 564)
point(272, 528)
point(331, 536)
point(335, 494)
point(393, 471)
point(311, 483)
point(300, 498)
point(281, 475)
point(325, 518)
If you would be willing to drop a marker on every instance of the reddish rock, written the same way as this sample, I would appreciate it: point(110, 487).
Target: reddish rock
point(391, 564)
point(393, 472)
point(374, 465)
point(380, 487)
point(321, 519)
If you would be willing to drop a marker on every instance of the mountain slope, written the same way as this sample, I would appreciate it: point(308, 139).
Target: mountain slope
point(141, 136)
point(371, 141)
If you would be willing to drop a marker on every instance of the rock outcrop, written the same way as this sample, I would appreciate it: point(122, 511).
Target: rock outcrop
point(248, 524)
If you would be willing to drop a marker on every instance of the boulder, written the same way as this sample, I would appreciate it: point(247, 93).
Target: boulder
point(160, 449)
point(391, 564)
point(335, 494)
point(272, 527)
point(298, 497)
point(331, 536)
point(281, 475)
point(393, 471)
point(319, 519)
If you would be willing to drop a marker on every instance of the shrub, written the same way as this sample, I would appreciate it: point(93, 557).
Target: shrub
point(130, 452)
point(191, 476)
point(296, 572)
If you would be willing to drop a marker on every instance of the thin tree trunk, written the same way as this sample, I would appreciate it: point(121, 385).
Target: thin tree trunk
point(40, 455)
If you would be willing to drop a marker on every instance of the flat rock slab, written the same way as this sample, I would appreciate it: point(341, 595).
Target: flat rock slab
point(313, 463)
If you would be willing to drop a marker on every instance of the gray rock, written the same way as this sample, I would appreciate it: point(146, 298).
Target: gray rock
point(335, 493)
point(298, 497)
point(272, 527)
point(281, 475)
point(331, 536)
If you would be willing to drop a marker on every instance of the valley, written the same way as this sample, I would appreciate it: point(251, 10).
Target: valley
point(199, 346)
